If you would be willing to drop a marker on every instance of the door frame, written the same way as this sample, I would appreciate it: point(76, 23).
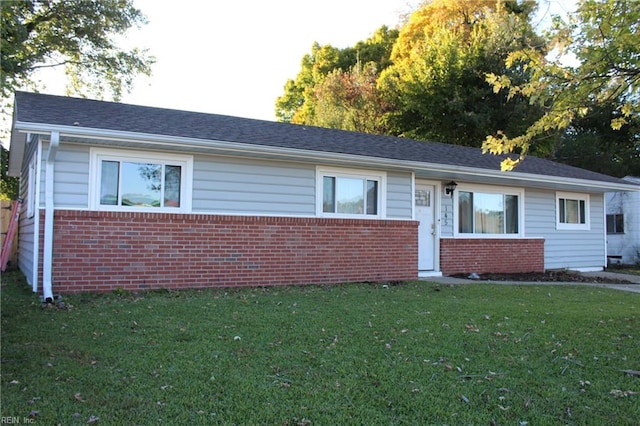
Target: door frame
point(437, 202)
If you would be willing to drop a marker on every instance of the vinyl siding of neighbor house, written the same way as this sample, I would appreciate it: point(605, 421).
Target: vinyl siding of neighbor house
point(625, 246)
point(565, 249)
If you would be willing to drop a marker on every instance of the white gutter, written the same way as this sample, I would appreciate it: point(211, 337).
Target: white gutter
point(246, 148)
point(47, 260)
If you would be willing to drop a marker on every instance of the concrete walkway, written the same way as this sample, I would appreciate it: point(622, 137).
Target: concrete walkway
point(634, 287)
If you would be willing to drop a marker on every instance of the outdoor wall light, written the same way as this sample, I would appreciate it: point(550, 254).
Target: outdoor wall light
point(450, 187)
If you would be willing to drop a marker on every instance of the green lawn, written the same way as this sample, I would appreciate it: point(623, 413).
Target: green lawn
point(368, 354)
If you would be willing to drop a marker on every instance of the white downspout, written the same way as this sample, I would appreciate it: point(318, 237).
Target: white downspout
point(36, 221)
point(47, 260)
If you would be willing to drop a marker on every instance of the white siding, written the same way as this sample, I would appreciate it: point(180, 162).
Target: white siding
point(244, 186)
point(71, 183)
point(26, 226)
point(563, 248)
point(627, 244)
point(448, 216)
point(399, 196)
point(71, 177)
point(225, 185)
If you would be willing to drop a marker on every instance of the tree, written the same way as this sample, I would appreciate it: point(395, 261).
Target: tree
point(298, 103)
point(603, 36)
point(75, 34)
point(436, 86)
point(8, 185)
point(590, 143)
point(349, 100)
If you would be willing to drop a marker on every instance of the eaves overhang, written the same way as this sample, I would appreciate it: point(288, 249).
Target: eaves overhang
point(420, 168)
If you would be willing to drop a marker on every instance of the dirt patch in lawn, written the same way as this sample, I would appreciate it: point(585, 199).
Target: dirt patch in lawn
point(548, 276)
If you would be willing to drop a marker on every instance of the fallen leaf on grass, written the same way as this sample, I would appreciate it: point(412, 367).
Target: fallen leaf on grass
point(14, 382)
point(33, 414)
point(632, 373)
point(334, 343)
point(93, 419)
point(78, 397)
point(617, 393)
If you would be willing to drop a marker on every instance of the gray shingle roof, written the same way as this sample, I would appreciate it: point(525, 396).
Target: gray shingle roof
point(67, 111)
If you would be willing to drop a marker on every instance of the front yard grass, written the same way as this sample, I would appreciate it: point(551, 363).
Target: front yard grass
point(416, 353)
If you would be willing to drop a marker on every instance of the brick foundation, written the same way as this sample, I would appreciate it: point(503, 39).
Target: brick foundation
point(466, 255)
point(103, 251)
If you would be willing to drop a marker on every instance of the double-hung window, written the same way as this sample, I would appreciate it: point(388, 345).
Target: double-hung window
point(572, 211)
point(350, 193)
point(140, 181)
point(488, 212)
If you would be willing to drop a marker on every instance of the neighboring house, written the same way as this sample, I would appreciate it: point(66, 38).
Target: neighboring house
point(623, 225)
point(132, 197)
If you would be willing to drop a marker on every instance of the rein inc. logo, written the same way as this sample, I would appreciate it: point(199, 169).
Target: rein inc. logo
point(15, 420)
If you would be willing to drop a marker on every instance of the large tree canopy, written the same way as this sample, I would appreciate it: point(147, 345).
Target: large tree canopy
point(425, 80)
point(349, 100)
point(591, 143)
point(302, 95)
point(436, 86)
point(603, 36)
point(75, 34)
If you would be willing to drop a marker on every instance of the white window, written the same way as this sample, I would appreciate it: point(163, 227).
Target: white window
point(572, 211)
point(488, 211)
point(350, 193)
point(140, 181)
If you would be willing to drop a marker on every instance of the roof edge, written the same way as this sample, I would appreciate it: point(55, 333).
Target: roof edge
point(234, 147)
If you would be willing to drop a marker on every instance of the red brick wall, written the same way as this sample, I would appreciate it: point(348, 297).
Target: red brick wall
point(103, 251)
point(484, 255)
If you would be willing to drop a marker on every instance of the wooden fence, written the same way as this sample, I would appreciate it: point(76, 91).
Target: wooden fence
point(5, 220)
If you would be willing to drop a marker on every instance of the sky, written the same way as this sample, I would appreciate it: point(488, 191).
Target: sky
point(234, 57)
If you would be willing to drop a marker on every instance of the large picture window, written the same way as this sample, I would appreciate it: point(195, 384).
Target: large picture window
point(350, 193)
point(572, 211)
point(141, 181)
point(488, 213)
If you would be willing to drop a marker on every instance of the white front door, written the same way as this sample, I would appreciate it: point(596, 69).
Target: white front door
point(424, 210)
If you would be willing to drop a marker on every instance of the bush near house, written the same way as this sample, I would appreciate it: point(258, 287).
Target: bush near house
point(416, 353)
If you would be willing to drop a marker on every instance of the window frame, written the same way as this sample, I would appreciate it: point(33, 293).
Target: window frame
point(573, 196)
point(365, 175)
point(486, 189)
point(615, 231)
point(97, 155)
